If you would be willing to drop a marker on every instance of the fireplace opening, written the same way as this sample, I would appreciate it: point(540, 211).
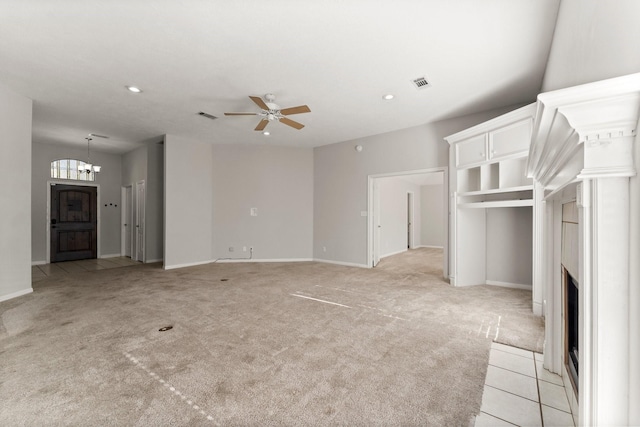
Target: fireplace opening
point(571, 328)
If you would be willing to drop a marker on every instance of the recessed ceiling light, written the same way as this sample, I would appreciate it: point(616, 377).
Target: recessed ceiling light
point(388, 97)
point(134, 89)
point(266, 133)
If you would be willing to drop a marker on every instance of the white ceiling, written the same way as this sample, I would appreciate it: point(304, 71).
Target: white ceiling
point(74, 59)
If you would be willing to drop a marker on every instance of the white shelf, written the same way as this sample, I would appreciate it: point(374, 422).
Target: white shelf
point(497, 204)
point(496, 191)
point(492, 205)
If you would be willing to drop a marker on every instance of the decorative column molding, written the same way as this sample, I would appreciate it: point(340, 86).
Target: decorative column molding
point(583, 145)
point(588, 129)
point(605, 302)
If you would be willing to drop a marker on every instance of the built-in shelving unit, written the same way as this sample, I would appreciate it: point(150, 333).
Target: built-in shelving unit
point(491, 202)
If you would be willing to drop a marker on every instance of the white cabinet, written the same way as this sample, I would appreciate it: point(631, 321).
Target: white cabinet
point(491, 202)
point(513, 139)
point(472, 150)
point(505, 142)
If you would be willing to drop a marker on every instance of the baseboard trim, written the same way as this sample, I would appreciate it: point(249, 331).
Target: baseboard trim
point(429, 246)
point(188, 264)
point(537, 309)
point(509, 285)
point(110, 256)
point(38, 263)
point(346, 264)
point(15, 294)
point(231, 260)
point(149, 261)
point(393, 253)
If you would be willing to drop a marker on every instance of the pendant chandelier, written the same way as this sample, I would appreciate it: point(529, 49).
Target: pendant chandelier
point(88, 167)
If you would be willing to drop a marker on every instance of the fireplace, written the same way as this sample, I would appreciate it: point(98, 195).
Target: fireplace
point(572, 354)
point(585, 146)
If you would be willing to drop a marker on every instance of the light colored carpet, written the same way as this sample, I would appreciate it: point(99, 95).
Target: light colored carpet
point(255, 344)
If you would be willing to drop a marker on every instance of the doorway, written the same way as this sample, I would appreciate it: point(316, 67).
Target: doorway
point(414, 230)
point(140, 223)
point(73, 222)
point(410, 244)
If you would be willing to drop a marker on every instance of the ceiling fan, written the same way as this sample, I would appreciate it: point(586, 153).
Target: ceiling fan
point(271, 111)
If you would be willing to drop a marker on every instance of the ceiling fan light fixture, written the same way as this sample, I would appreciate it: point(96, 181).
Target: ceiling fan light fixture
point(134, 89)
point(266, 133)
point(388, 97)
point(270, 112)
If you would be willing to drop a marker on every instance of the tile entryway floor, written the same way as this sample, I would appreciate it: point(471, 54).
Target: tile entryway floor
point(39, 272)
point(519, 391)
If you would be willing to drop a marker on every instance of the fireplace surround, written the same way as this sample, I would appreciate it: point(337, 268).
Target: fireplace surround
point(585, 149)
point(571, 329)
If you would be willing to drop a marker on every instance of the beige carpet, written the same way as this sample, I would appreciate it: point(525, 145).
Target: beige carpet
point(255, 344)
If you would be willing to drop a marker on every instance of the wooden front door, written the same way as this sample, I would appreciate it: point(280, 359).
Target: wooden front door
point(73, 222)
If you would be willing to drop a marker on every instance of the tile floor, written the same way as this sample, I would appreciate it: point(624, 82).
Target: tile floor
point(39, 272)
point(519, 391)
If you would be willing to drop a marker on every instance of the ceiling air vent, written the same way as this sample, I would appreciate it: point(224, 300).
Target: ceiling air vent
point(207, 115)
point(421, 82)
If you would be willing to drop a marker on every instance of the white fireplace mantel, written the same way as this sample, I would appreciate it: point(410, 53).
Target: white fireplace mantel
point(583, 149)
point(592, 125)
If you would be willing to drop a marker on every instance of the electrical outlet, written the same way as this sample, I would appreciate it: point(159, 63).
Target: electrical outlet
point(324, 249)
point(244, 249)
point(230, 248)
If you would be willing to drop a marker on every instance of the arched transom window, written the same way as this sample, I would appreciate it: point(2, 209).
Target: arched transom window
point(71, 169)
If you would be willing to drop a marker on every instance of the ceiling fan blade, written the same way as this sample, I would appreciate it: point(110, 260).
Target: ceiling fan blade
point(295, 110)
point(259, 102)
point(291, 123)
point(263, 124)
point(240, 114)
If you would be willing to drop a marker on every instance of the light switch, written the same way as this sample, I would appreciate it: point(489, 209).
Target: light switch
point(254, 211)
point(364, 213)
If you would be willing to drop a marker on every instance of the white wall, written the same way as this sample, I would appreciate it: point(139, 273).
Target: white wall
point(341, 180)
point(432, 211)
point(188, 185)
point(15, 195)
point(593, 40)
point(393, 214)
point(510, 245)
point(109, 193)
point(134, 166)
point(154, 208)
point(278, 182)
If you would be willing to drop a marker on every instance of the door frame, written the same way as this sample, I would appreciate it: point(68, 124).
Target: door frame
point(374, 223)
point(51, 183)
point(371, 214)
point(411, 238)
point(127, 205)
point(140, 220)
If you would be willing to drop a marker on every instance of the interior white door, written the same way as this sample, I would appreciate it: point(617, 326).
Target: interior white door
point(140, 215)
point(127, 225)
point(410, 220)
point(376, 223)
